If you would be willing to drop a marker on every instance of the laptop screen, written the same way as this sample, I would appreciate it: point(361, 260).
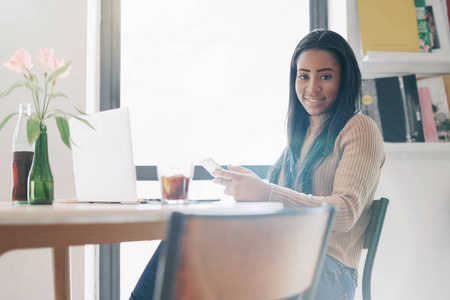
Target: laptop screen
point(103, 162)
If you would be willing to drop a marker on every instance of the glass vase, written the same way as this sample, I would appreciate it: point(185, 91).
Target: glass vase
point(22, 157)
point(40, 180)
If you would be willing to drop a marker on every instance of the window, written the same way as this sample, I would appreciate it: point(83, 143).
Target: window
point(208, 78)
point(205, 78)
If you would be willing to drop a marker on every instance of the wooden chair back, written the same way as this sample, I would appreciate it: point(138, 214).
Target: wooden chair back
point(244, 256)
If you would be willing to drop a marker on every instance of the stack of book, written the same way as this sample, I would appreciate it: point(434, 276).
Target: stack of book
point(404, 25)
point(409, 109)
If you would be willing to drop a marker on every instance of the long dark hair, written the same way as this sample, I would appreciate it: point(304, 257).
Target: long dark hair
point(297, 121)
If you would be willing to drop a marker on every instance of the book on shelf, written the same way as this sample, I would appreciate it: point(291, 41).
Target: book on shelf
point(438, 26)
point(369, 101)
point(429, 125)
point(393, 103)
point(422, 26)
point(447, 6)
point(389, 107)
point(446, 79)
point(388, 25)
point(412, 104)
point(439, 87)
point(392, 112)
point(436, 86)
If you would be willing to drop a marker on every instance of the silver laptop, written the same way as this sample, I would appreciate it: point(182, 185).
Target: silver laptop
point(103, 162)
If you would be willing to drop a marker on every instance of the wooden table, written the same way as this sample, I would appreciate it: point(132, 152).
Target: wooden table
point(62, 225)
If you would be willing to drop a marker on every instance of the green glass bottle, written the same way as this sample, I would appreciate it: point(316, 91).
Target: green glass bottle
point(40, 179)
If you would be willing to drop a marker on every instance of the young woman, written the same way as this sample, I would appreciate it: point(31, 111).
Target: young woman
point(333, 155)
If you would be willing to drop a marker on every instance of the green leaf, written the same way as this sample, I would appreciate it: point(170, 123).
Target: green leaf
point(58, 71)
point(5, 120)
point(34, 88)
point(54, 112)
point(59, 94)
point(73, 143)
point(11, 88)
point(50, 115)
point(64, 131)
point(80, 111)
point(85, 122)
point(57, 111)
point(33, 130)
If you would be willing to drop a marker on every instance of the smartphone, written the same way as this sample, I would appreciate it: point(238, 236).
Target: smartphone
point(210, 165)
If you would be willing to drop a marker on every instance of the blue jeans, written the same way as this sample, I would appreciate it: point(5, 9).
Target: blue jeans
point(145, 286)
point(337, 282)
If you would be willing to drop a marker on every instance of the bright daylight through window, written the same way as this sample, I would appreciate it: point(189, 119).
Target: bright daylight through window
point(207, 79)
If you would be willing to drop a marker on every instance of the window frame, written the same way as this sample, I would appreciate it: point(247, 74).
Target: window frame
point(109, 255)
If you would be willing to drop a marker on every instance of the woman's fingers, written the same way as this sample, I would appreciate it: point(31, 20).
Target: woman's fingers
point(242, 184)
point(229, 175)
point(223, 181)
point(243, 187)
point(233, 172)
point(228, 192)
point(239, 169)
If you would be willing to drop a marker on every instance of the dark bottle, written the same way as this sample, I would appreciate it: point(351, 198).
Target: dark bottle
point(40, 180)
point(22, 157)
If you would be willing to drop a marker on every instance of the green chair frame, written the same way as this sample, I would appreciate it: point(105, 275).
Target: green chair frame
point(372, 238)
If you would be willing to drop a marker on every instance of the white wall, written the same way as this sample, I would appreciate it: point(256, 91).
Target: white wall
point(413, 257)
point(31, 24)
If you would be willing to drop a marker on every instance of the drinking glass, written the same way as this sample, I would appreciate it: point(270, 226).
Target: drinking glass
point(174, 177)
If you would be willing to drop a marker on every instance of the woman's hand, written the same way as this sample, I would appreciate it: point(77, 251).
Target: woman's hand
point(242, 184)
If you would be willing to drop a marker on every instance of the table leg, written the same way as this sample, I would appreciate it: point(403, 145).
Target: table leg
point(61, 272)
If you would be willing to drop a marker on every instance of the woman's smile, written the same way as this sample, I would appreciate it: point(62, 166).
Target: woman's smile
point(314, 99)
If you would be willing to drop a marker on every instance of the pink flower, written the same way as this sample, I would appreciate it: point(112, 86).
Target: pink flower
point(55, 64)
point(45, 57)
point(20, 62)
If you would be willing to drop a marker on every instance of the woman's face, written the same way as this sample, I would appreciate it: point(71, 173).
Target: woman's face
point(318, 81)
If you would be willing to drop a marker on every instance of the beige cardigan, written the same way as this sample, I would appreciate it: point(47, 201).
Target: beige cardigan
point(347, 179)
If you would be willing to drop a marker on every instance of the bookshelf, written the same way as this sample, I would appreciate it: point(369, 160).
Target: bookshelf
point(343, 18)
point(414, 176)
point(404, 63)
point(412, 151)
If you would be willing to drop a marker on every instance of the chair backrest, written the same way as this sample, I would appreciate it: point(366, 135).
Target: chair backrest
point(372, 237)
point(244, 256)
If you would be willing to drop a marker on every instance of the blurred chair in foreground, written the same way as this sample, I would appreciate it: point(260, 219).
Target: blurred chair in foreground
point(277, 255)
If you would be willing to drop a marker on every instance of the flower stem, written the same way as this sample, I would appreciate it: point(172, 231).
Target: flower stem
point(46, 98)
point(35, 98)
